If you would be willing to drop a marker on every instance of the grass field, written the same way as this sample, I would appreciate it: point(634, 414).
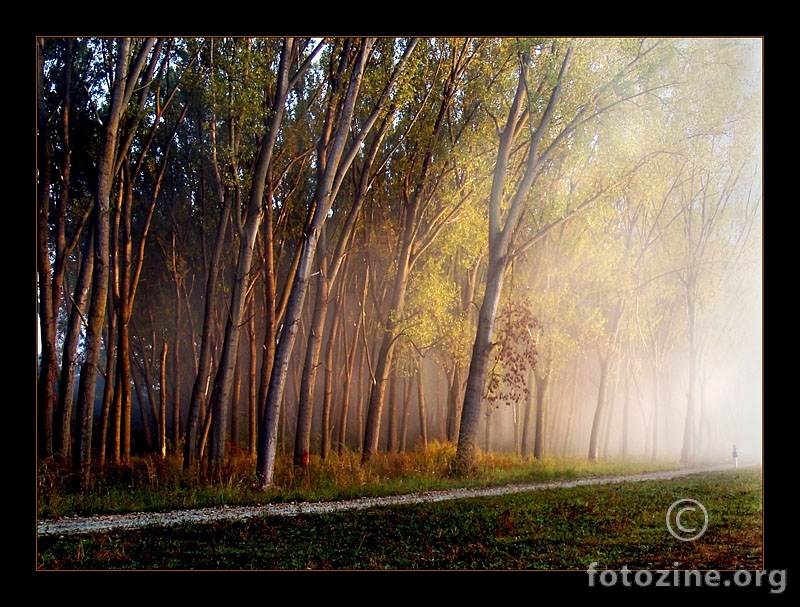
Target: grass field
point(555, 529)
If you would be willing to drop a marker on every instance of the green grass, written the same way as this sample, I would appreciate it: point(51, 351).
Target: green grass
point(553, 529)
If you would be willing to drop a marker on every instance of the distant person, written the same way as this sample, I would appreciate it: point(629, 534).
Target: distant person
point(735, 457)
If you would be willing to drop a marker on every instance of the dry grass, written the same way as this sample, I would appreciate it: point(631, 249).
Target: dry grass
point(151, 483)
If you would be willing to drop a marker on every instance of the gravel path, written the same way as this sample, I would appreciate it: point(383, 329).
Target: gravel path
point(93, 524)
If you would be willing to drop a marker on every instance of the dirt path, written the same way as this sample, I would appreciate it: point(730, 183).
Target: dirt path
point(104, 523)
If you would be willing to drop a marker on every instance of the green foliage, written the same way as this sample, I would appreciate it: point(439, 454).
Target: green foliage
point(432, 310)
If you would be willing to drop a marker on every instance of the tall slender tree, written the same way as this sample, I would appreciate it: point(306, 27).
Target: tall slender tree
point(248, 232)
point(330, 263)
point(334, 159)
point(127, 67)
point(128, 266)
point(595, 90)
point(424, 213)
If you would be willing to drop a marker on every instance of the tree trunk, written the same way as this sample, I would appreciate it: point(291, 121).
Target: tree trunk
point(177, 378)
point(542, 383)
point(125, 398)
point(208, 416)
point(454, 402)
point(128, 271)
point(236, 399)
point(391, 430)
point(142, 417)
point(162, 418)
point(327, 426)
point(656, 407)
point(385, 354)
point(269, 429)
point(572, 406)
point(62, 434)
point(48, 366)
point(273, 312)
point(149, 378)
point(625, 453)
point(69, 363)
point(323, 202)
point(191, 450)
point(600, 409)
point(501, 234)
point(330, 266)
point(360, 407)
point(487, 429)
point(221, 393)
point(121, 257)
point(606, 368)
point(423, 415)
point(350, 370)
point(526, 423)
point(466, 452)
point(99, 295)
point(688, 449)
point(305, 406)
point(611, 412)
point(252, 410)
point(108, 393)
point(403, 444)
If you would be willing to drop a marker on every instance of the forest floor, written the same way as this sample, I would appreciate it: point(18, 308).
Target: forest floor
point(104, 523)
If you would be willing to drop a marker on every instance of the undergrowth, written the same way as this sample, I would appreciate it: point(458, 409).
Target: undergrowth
point(150, 483)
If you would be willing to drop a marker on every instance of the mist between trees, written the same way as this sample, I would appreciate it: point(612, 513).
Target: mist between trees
point(543, 246)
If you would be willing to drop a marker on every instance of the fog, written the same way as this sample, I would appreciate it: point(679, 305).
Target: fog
point(729, 409)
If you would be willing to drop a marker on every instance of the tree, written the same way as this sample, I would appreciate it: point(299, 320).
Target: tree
point(66, 140)
point(708, 197)
point(352, 352)
point(124, 80)
point(334, 159)
point(546, 280)
point(248, 232)
point(657, 301)
point(612, 301)
point(414, 190)
point(425, 213)
point(514, 355)
point(596, 89)
point(127, 267)
point(204, 370)
point(500, 248)
point(714, 193)
point(46, 396)
point(330, 262)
